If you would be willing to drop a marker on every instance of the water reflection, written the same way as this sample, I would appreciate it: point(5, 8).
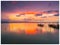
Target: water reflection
point(26, 30)
point(30, 28)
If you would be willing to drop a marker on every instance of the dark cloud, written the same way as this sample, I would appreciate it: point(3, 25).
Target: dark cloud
point(18, 15)
point(51, 11)
point(38, 14)
point(56, 15)
point(28, 5)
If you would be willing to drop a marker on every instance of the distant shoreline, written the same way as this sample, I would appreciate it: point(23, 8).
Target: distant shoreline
point(29, 22)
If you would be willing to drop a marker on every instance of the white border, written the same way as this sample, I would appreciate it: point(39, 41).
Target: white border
point(28, 44)
point(0, 22)
point(29, 0)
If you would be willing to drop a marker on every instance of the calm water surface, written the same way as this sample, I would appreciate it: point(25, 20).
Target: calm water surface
point(28, 33)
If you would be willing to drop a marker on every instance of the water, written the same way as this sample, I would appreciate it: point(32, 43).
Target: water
point(28, 33)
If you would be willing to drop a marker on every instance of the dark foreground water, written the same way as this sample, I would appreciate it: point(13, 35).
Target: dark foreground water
point(28, 33)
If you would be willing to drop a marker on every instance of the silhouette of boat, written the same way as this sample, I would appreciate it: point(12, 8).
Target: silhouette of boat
point(54, 26)
point(41, 25)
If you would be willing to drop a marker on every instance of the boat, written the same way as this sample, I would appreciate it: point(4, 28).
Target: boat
point(41, 25)
point(54, 26)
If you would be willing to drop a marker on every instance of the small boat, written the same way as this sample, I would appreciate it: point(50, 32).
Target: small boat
point(54, 26)
point(41, 25)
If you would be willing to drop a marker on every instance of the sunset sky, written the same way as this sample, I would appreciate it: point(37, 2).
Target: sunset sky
point(29, 10)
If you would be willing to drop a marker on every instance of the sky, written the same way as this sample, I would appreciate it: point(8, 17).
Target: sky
point(29, 10)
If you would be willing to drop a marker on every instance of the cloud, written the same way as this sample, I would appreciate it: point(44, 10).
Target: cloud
point(51, 11)
point(56, 15)
point(38, 14)
point(18, 15)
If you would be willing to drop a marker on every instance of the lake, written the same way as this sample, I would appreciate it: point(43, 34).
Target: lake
point(28, 33)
